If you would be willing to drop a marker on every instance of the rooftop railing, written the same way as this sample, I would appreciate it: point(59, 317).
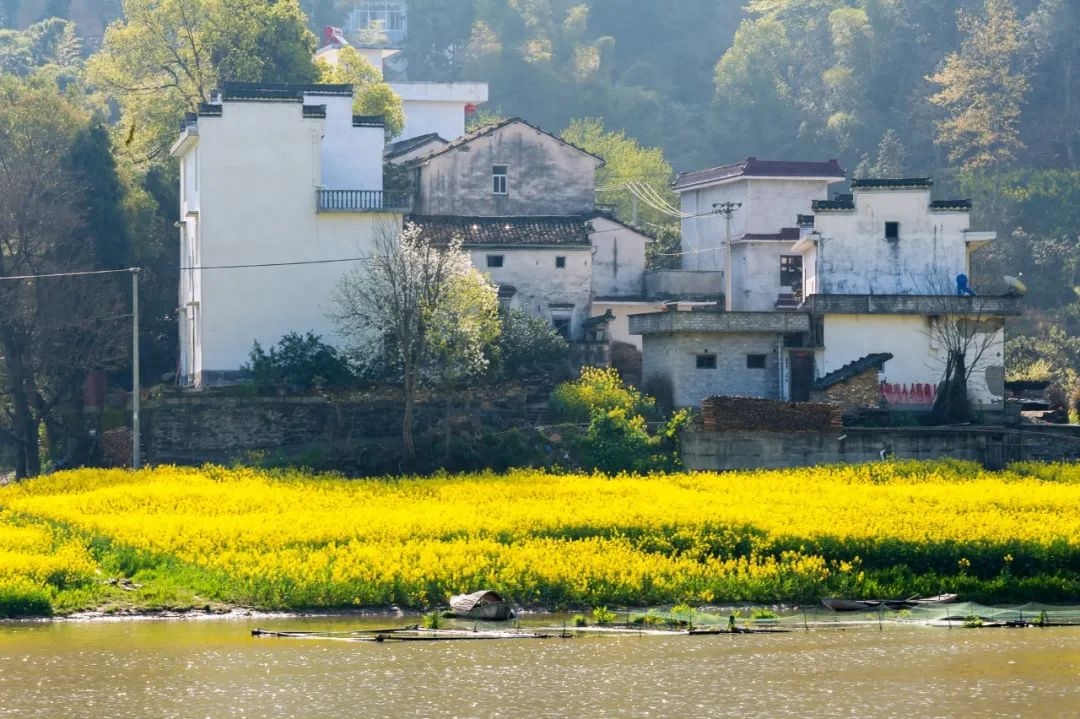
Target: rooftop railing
point(362, 201)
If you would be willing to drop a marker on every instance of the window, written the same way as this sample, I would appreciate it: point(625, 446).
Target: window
point(560, 261)
point(706, 361)
point(791, 271)
point(892, 231)
point(562, 326)
point(755, 361)
point(498, 179)
point(494, 260)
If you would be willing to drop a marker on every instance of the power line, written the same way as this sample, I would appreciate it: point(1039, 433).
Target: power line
point(77, 273)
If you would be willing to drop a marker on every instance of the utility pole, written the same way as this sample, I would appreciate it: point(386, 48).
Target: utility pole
point(136, 458)
point(727, 209)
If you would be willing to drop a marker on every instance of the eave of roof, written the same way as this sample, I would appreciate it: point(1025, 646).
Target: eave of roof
point(752, 167)
point(535, 232)
point(852, 370)
point(884, 183)
point(486, 130)
point(403, 147)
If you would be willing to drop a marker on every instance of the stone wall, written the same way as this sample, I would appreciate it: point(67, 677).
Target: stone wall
point(992, 446)
point(203, 427)
point(860, 391)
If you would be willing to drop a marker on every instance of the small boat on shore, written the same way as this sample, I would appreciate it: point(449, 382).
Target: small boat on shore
point(838, 604)
point(485, 604)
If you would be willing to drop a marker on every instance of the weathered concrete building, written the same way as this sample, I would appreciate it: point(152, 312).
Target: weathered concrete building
point(523, 202)
point(506, 169)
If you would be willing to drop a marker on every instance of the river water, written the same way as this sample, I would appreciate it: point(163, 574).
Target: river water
point(215, 668)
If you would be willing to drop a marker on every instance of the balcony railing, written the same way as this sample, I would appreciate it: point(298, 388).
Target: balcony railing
point(362, 201)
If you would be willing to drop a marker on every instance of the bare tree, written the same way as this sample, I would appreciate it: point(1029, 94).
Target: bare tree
point(962, 325)
point(392, 304)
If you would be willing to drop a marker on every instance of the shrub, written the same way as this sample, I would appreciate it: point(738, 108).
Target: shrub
point(299, 363)
point(527, 342)
point(617, 438)
point(599, 389)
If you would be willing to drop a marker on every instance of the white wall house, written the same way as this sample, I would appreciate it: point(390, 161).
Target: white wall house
point(770, 194)
point(881, 267)
point(542, 265)
point(879, 274)
point(266, 234)
point(523, 202)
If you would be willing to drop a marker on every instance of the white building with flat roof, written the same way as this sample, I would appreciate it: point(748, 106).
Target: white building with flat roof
point(280, 194)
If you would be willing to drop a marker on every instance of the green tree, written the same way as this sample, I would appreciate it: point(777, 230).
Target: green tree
point(982, 88)
point(636, 179)
point(889, 161)
point(528, 343)
point(755, 100)
point(53, 329)
point(165, 57)
point(49, 42)
point(371, 96)
point(1052, 44)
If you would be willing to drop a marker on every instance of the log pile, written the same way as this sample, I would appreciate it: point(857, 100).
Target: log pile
point(721, 414)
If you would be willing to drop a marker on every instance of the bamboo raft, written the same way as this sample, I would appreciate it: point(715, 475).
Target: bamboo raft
point(411, 633)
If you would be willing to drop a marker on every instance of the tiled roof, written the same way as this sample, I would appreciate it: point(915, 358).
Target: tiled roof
point(273, 91)
point(844, 203)
point(572, 230)
point(852, 370)
point(905, 182)
point(402, 147)
point(787, 234)
point(950, 205)
point(753, 167)
point(610, 217)
point(485, 130)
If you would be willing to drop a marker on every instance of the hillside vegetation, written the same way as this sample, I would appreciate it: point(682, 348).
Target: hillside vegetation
point(183, 538)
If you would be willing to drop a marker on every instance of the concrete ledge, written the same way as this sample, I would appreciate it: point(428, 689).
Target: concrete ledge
point(727, 322)
point(988, 306)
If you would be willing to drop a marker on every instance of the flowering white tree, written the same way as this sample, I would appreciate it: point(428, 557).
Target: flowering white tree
point(422, 305)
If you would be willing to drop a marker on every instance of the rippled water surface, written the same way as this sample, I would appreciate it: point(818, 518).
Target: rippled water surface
point(215, 668)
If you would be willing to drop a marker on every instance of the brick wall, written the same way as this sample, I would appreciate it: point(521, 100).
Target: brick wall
point(671, 359)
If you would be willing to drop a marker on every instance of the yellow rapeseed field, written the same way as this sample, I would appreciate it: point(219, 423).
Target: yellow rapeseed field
point(286, 539)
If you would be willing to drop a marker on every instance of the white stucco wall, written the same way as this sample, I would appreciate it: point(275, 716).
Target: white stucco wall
point(618, 268)
point(756, 275)
point(544, 176)
point(539, 282)
point(346, 151)
point(853, 256)
point(437, 106)
point(619, 328)
point(917, 356)
point(768, 204)
point(259, 164)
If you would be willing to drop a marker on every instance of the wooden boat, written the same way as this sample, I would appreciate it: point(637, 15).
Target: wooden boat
point(923, 601)
point(838, 604)
point(484, 604)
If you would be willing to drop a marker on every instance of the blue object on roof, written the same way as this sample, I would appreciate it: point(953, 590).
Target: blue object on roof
point(962, 286)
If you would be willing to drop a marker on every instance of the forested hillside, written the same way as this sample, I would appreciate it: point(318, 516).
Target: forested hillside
point(983, 95)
